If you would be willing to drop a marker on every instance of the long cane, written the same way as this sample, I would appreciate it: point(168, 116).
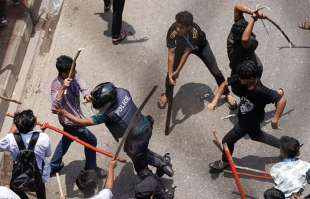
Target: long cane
point(169, 110)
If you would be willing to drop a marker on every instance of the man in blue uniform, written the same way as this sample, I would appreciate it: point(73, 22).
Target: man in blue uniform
point(116, 109)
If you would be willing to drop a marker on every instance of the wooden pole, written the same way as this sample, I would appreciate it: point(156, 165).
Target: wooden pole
point(10, 100)
point(59, 186)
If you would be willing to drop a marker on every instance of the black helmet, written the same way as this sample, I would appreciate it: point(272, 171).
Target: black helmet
point(103, 94)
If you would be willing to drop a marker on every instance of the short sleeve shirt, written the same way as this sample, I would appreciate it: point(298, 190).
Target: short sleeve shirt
point(194, 40)
point(252, 103)
point(290, 175)
point(6, 193)
point(236, 52)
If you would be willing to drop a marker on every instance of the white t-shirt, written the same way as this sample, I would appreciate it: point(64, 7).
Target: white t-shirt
point(103, 194)
point(6, 193)
point(41, 150)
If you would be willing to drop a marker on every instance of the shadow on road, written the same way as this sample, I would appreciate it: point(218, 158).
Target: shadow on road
point(71, 172)
point(190, 100)
point(107, 16)
point(253, 162)
point(124, 184)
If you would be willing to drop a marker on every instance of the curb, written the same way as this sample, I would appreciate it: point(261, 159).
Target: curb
point(17, 64)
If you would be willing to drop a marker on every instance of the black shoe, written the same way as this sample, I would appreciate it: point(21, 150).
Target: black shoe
point(3, 22)
point(53, 173)
point(218, 166)
point(166, 168)
point(101, 172)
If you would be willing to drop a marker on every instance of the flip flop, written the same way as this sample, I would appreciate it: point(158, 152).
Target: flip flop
point(305, 25)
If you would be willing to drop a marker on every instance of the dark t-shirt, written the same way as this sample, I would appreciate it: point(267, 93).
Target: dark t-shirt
point(252, 103)
point(194, 40)
point(236, 52)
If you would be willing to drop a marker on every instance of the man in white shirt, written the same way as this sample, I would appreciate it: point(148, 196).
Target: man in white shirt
point(87, 183)
point(6, 193)
point(291, 174)
point(25, 122)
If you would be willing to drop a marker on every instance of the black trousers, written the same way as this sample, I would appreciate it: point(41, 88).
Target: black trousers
point(206, 55)
point(2, 8)
point(273, 193)
point(255, 134)
point(137, 149)
point(118, 7)
point(40, 192)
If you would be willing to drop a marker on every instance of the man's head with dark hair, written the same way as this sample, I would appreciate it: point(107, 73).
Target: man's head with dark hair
point(25, 121)
point(248, 74)
point(87, 182)
point(63, 65)
point(289, 147)
point(184, 21)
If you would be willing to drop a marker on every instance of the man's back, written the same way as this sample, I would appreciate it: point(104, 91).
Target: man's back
point(42, 150)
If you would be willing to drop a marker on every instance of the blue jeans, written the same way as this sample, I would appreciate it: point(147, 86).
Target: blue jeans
point(64, 144)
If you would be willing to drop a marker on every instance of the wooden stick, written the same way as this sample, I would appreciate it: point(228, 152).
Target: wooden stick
point(228, 116)
point(10, 100)
point(234, 171)
point(59, 185)
point(73, 66)
point(264, 177)
point(169, 111)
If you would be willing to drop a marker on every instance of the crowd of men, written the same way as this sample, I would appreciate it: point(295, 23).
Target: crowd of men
point(116, 108)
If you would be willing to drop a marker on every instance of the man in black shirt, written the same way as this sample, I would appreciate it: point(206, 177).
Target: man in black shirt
point(254, 96)
point(185, 37)
point(241, 41)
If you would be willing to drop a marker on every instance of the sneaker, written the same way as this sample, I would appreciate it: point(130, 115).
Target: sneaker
point(218, 166)
point(119, 39)
point(166, 168)
point(54, 171)
point(3, 22)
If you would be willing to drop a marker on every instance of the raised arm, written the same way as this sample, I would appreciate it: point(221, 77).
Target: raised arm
point(110, 178)
point(239, 9)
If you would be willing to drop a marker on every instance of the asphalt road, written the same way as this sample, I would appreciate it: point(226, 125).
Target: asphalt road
point(140, 63)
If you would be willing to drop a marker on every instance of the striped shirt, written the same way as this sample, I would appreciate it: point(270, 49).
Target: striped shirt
point(290, 175)
point(71, 101)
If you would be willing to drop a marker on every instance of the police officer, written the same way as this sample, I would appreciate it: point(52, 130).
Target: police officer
point(116, 109)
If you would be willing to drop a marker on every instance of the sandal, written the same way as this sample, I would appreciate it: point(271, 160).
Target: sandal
point(119, 39)
point(163, 101)
point(305, 25)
